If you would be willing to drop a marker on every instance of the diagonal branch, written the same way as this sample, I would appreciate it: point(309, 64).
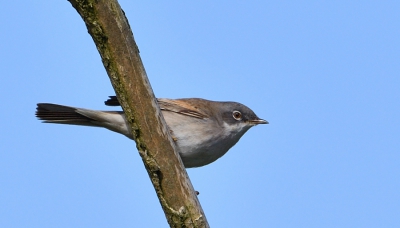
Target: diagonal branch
point(110, 30)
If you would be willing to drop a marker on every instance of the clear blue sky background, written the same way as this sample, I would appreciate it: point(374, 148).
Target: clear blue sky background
point(325, 74)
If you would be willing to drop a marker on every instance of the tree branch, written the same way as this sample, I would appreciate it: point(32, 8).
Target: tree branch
point(110, 30)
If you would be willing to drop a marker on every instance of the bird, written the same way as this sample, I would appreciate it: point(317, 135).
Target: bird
point(203, 130)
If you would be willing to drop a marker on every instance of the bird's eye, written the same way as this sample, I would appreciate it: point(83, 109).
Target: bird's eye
point(237, 115)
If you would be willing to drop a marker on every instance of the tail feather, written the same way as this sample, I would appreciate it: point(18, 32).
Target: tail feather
point(60, 114)
point(53, 113)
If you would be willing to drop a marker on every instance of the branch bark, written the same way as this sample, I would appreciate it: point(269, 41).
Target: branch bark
point(110, 30)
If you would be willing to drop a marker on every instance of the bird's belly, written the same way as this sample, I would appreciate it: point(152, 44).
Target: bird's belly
point(199, 141)
point(200, 155)
point(195, 139)
point(197, 149)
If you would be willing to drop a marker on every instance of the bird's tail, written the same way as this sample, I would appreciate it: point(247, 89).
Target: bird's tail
point(60, 114)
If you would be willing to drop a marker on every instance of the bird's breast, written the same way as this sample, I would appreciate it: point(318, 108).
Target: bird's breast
point(200, 141)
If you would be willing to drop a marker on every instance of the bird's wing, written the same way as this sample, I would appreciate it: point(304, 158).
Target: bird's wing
point(180, 106)
point(112, 101)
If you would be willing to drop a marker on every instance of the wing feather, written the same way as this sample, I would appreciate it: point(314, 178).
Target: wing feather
point(180, 106)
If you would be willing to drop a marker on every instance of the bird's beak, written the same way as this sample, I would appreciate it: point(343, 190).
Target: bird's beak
point(259, 121)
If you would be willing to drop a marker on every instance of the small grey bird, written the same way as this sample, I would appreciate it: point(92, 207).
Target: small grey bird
point(203, 130)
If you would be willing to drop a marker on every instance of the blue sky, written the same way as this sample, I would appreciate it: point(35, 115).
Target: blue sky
point(324, 74)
